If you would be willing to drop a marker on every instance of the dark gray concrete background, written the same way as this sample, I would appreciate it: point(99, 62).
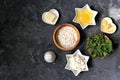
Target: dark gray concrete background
point(24, 39)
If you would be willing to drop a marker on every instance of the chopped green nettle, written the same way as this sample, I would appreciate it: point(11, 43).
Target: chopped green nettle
point(99, 46)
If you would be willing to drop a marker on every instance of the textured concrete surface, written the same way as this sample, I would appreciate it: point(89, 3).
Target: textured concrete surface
point(24, 39)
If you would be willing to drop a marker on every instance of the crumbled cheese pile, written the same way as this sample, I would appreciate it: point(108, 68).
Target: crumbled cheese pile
point(77, 62)
point(67, 37)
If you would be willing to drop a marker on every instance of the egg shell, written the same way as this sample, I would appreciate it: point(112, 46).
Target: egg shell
point(49, 56)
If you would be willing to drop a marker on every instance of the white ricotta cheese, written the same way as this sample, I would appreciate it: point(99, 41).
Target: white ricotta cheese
point(77, 62)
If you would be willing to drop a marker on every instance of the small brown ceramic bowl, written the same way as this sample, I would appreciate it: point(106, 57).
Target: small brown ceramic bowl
point(56, 41)
point(105, 36)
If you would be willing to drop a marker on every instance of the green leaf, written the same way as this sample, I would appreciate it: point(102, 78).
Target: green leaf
point(99, 45)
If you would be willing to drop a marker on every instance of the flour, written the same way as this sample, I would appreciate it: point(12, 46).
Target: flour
point(115, 13)
point(67, 37)
point(114, 10)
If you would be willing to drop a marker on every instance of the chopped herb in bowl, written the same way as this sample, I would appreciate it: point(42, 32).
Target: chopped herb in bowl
point(99, 45)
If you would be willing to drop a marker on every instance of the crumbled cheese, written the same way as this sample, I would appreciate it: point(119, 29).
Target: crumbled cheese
point(67, 37)
point(77, 62)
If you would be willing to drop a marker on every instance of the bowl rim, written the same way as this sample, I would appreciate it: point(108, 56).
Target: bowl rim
point(55, 34)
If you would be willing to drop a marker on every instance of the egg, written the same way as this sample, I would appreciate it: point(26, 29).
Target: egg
point(85, 16)
point(49, 56)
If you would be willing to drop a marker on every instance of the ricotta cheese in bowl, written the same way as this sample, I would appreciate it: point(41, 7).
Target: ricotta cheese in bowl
point(77, 62)
point(66, 36)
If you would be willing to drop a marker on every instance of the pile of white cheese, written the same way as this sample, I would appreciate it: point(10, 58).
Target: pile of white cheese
point(77, 62)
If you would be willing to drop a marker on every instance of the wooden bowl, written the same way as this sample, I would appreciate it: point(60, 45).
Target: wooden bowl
point(56, 41)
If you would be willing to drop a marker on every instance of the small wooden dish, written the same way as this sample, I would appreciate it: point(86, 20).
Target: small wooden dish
point(56, 42)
